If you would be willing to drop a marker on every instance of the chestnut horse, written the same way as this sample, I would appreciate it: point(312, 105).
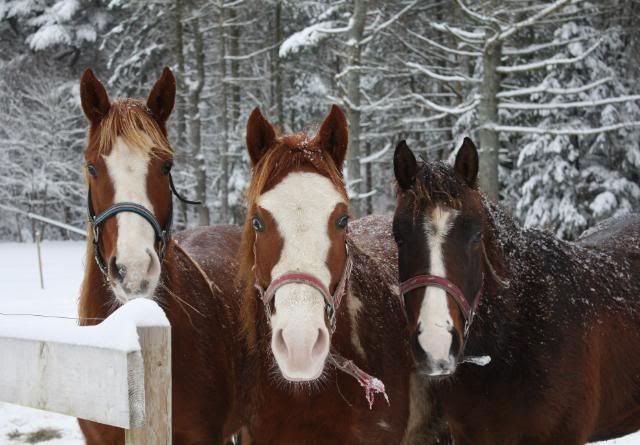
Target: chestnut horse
point(315, 301)
point(553, 325)
point(128, 164)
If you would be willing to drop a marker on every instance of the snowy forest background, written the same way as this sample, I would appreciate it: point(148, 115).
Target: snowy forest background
point(547, 89)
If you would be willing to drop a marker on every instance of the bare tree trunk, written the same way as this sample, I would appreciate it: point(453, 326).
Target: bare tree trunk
point(196, 126)
point(224, 124)
point(276, 66)
point(487, 115)
point(234, 50)
point(356, 33)
point(181, 153)
point(369, 181)
point(180, 105)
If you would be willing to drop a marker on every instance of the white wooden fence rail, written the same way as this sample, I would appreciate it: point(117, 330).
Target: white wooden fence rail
point(117, 373)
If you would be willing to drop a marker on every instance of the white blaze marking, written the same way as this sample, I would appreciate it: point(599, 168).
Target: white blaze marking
point(301, 206)
point(435, 337)
point(135, 247)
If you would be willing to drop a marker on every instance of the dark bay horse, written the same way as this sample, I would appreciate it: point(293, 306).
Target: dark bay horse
point(315, 300)
point(559, 321)
point(128, 165)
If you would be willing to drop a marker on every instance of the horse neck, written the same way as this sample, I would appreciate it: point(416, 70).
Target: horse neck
point(495, 329)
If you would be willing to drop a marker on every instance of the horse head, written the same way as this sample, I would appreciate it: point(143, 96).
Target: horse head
point(128, 164)
point(295, 237)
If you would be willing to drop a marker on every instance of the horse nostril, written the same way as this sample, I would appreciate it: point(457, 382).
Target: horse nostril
point(456, 343)
point(321, 344)
point(118, 271)
point(280, 343)
point(151, 262)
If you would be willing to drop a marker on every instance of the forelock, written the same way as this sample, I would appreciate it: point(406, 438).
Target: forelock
point(438, 185)
point(131, 120)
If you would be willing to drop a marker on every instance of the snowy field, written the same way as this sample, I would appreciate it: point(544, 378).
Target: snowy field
point(20, 293)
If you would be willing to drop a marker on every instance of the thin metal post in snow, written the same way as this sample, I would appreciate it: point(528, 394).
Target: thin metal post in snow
point(38, 239)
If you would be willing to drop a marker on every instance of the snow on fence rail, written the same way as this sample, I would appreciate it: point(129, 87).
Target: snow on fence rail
point(117, 373)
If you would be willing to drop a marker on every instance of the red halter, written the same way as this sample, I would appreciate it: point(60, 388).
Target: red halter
point(468, 311)
point(332, 302)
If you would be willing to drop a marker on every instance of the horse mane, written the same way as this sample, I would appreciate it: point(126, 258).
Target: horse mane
point(131, 120)
point(296, 152)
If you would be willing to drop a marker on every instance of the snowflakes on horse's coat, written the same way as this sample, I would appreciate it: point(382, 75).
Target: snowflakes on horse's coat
point(135, 247)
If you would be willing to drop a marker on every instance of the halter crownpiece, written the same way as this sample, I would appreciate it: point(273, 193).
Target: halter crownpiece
point(468, 311)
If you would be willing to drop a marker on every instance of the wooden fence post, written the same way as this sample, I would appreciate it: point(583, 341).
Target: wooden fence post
point(155, 342)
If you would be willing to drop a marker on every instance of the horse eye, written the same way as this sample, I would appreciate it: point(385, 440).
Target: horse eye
point(93, 172)
point(166, 168)
point(476, 238)
point(342, 221)
point(257, 224)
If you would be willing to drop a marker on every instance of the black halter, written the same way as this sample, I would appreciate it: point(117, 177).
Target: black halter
point(162, 233)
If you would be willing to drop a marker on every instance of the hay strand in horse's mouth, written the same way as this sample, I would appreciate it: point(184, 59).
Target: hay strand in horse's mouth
point(479, 360)
point(371, 385)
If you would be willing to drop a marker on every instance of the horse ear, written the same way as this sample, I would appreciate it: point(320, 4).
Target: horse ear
point(93, 97)
point(260, 135)
point(163, 96)
point(333, 135)
point(405, 166)
point(466, 164)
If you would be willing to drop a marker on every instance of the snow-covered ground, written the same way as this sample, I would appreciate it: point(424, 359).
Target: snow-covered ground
point(20, 293)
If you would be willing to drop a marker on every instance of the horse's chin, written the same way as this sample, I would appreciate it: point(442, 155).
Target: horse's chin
point(308, 375)
point(122, 296)
point(299, 384)
point(441, 372)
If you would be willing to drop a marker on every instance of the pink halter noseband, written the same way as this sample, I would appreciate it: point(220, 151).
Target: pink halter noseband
point(332, 302)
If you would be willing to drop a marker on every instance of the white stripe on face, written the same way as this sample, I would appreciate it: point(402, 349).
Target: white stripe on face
point(301, 205)
point(135, 247)
point(436, 323)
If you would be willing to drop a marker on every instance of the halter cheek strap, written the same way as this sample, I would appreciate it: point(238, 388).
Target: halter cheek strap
point(468, 311)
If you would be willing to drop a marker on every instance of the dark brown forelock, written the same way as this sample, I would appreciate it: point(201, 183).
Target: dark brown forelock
point(290, 153)
point(131, 120)
point(437, 184)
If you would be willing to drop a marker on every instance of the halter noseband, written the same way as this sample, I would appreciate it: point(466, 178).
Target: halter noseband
point(332, 302)
point(468, 311)
point(162, 234)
